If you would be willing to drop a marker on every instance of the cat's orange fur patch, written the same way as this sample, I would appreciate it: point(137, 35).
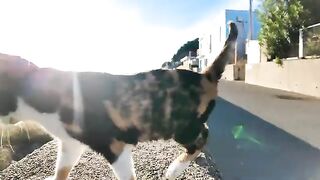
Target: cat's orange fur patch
point(116, 117)
point(63, 173)
point(73, 128)
point(117, 147)
point(209, 93)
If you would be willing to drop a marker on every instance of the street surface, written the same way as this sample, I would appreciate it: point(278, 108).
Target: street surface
point(258, 133)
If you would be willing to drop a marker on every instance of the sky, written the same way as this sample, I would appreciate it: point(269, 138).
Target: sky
point(114, 36)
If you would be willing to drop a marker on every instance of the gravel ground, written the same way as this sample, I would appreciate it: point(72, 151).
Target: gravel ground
point(151, 161)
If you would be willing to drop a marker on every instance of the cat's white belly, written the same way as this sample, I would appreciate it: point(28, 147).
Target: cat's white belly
point(50, 121)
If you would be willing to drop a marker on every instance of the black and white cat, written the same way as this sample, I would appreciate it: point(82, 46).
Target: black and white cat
point(112, 113)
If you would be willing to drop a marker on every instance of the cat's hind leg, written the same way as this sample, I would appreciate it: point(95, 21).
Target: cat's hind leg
point(119, 155)
point(69, 152)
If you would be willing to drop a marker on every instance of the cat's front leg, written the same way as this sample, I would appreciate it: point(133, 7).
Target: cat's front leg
point(192, 152)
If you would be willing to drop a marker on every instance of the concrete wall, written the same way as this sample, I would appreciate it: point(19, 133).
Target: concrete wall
point(234, 72)
point(231, 72)
point(253, 52)
point(228, 73)
point(301, 76)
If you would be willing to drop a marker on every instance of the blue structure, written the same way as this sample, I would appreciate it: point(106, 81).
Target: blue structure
point(241, 18)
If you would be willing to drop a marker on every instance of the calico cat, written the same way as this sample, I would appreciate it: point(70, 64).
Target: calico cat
point(112, 113)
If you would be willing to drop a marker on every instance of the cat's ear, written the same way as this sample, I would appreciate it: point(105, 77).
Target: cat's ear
point(15, 67)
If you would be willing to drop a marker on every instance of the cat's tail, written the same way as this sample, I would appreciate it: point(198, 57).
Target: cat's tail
point(215, 71)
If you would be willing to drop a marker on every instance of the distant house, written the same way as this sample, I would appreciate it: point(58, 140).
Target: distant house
point(189, 62)
point(211, 43)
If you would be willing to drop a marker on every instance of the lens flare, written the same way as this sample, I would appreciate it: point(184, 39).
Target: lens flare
point(239, 132)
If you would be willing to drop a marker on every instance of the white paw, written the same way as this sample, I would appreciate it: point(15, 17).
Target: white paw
point(51, 178)
point(175, 169)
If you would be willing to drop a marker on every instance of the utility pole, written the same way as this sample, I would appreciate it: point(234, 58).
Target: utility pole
point(250, 21)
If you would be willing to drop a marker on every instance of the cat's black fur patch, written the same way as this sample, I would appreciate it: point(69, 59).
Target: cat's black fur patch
point(8, 101)
point(204, 117)
point(8, 93)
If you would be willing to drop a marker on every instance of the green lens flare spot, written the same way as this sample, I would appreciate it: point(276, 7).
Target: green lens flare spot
point(237, 131)
point(254, 140)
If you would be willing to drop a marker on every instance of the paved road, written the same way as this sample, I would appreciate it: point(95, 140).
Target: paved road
point(265, 134)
